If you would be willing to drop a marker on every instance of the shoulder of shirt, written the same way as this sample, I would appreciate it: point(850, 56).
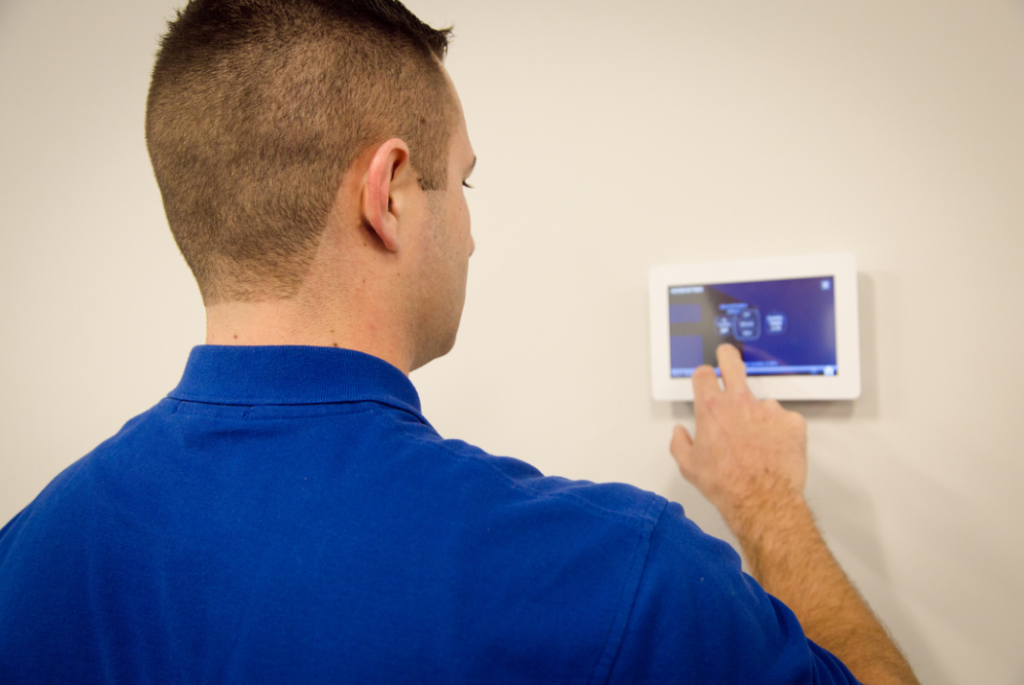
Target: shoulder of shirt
point(615, 500)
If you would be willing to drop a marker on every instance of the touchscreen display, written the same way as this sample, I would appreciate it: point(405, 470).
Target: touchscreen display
point(780, 327)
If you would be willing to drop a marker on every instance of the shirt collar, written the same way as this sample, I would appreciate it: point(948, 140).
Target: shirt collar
point(227, 374)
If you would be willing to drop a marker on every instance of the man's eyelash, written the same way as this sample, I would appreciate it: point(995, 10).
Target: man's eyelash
point(466, 185)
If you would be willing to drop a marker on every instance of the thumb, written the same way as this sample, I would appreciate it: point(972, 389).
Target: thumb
point(681, 447)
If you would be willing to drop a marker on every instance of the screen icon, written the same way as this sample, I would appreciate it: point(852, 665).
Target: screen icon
point(775, 323)
point(748, 325)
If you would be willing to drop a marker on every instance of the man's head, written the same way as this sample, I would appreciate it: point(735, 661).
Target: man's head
point(258, 107)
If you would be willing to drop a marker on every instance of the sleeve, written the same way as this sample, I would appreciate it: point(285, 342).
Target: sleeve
point(698, 618)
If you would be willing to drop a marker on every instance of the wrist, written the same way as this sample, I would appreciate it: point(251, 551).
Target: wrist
point(772, 506)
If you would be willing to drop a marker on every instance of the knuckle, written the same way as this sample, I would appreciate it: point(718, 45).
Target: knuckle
point(712, 403)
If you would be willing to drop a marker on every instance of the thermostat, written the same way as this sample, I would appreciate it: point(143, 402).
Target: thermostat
point(793, 319)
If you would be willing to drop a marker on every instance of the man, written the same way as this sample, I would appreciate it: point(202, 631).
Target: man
point(287, 514)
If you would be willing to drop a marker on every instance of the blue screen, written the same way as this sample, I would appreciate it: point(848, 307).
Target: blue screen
point(783, 327)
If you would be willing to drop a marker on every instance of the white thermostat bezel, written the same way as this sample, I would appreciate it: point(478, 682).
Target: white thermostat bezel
point(842, 268)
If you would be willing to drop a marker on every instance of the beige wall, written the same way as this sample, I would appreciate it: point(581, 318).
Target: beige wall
point(611, 136)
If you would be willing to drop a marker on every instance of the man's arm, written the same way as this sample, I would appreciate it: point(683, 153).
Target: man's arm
point(749, 458)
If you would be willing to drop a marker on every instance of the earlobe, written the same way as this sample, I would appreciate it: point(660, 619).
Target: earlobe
point(389, 161)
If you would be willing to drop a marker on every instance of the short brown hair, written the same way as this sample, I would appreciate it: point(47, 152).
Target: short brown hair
point(258, 107)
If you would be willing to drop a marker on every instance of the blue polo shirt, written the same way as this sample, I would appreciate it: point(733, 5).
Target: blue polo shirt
point(287, 515)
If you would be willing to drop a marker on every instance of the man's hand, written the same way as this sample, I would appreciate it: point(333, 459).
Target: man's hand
point(745, 452)
point(749, 458)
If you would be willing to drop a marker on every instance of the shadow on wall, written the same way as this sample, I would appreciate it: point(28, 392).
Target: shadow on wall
point(849, 520)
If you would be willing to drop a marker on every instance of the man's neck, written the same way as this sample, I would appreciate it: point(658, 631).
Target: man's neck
point(292, 322)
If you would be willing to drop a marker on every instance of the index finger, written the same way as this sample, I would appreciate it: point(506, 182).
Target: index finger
point(734, 371)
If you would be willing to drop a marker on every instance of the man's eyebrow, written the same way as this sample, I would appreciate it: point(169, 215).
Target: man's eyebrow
point(471, 166)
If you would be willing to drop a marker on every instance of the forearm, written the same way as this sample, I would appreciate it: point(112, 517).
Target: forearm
point(788, 556)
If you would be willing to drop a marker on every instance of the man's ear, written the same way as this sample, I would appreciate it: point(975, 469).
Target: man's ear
point(389, 171)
